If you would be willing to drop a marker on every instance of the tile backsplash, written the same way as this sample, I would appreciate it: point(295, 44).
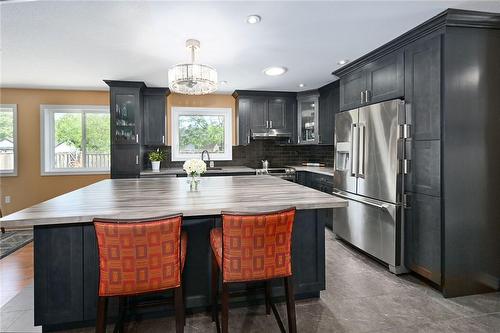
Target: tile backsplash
point(252, 154)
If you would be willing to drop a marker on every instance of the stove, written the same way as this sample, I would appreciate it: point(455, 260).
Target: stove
point(283, 173)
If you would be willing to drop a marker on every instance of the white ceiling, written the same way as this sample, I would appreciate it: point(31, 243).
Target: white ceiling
point(75, 45)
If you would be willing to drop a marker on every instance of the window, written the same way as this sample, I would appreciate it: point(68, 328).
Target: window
point(197, 129)
point(75, 139)
point(8, 140)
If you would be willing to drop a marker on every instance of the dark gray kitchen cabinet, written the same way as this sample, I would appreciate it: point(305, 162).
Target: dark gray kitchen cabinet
point(328, 106)
point(423, 87)
point(259, 119)
point(385, 78)
point(423, 236)
point(380, 80)
point(277, 113)
point(154, 116)
point(126, 105)
point(126, 112)
point(424, 176)
point(352, 88)
point(58, 266)
point(243, 116)
point(261, 111)
point(126, 161)
point(301, 177)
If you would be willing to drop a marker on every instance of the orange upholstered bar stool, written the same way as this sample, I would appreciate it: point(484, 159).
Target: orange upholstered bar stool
point(138, 257)
point(253, 247)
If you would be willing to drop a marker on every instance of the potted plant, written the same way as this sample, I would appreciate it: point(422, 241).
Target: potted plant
point(156, 157)
point(194, 169)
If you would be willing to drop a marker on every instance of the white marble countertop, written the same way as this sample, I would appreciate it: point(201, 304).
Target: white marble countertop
point(150, 197)
point(321, 170)
point(176, 171)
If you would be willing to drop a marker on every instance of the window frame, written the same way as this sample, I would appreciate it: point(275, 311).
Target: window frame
point(202, 111)
point(47, 138)
point(13, 173)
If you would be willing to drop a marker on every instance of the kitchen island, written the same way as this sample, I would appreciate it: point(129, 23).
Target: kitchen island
point(65, 250)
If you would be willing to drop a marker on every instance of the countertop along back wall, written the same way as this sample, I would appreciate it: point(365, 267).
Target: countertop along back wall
point(29, 187)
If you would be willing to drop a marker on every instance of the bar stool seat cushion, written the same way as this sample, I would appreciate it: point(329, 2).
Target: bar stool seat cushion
point(137, 258)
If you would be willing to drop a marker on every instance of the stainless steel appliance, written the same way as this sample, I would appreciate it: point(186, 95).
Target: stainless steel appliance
point(369, 151)
point(283, 173)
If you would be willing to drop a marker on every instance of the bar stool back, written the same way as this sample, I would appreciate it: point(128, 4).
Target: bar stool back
point(138, 257)
point(253, 247)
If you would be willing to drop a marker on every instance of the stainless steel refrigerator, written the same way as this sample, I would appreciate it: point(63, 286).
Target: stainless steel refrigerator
point(369, 167)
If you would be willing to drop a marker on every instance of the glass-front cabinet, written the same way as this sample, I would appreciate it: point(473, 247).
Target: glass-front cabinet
point(308, 117)
point(125, 111)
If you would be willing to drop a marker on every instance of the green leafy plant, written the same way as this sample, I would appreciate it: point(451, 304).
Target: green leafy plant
point(157, 155)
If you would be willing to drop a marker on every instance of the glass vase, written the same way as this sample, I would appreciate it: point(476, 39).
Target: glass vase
point(193, 182)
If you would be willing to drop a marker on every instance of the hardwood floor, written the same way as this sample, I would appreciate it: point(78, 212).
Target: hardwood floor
point(16, 272)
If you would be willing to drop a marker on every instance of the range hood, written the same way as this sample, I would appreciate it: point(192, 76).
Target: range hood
point(272, 134)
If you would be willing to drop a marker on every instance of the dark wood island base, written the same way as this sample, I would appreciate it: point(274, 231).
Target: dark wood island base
point(66, 271)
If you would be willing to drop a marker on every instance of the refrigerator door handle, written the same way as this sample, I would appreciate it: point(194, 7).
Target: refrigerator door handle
point(366, 202)
point(354, 150)
point(361, 151)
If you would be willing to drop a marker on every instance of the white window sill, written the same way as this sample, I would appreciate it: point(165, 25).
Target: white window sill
point(8, 174)
point(75, 173)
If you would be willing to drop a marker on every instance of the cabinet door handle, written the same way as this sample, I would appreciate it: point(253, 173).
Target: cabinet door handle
point(137, 138)
point(137, 159)
point(270, 124)
point(362, 97)
point(163, 138)
point(368, 95)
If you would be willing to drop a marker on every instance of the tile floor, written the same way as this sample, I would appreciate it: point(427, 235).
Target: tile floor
point(361, 296)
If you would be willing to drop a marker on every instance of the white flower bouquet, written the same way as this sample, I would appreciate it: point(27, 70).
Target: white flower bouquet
point(194, 167)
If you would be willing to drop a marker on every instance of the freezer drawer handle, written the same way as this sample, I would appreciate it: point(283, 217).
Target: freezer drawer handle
point(369, 203)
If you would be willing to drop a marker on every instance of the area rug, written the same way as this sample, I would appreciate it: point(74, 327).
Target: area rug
point(11, 241)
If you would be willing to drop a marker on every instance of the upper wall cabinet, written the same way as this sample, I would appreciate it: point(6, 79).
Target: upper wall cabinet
point(126, 113)
point(328, 107)
point(307, 111)
point(266, 114)
point(380, 80)
point(352, 90)
point(154, 116)
point(423, 87)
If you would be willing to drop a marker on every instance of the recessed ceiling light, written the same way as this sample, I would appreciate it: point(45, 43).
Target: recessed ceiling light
point(275, 70)
point(302, 85)
point(343, 61)
point(223, 83)
point(253, 19)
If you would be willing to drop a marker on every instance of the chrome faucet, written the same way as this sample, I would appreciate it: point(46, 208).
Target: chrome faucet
point(203, 155)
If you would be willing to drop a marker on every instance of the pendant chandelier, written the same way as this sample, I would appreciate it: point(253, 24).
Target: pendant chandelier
point(192, 78)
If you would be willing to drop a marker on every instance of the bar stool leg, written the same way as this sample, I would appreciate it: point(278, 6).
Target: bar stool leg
point(214, 287)
point(121, 315)
point(225, 307)
point(290, 304)
point(179, 310)
point(268, 296)
point(102, 307)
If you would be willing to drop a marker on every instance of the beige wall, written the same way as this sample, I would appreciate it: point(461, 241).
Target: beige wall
point(210, 101)
point(29, 187)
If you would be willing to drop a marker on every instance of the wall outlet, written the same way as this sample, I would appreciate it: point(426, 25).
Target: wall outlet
point(7, 199)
